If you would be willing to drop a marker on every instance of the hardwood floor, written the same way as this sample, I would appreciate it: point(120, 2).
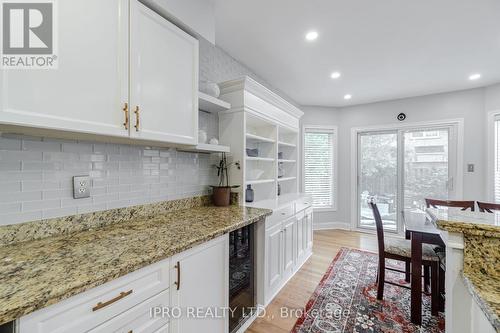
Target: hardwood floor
point(298, 290)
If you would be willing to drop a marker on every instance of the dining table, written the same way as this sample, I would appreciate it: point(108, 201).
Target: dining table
point(419, 229)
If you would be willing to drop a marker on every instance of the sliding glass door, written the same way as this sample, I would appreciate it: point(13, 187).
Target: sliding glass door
point(400, 168)
point(378, 177)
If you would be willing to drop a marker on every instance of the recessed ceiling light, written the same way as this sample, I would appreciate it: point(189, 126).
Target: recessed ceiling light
point(347, 96)
point(311, 35)
point(475, 76)
point(335, 75)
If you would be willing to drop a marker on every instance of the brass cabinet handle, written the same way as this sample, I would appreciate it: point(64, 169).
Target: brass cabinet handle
point(137, 120)
point(125, 109)
point(178, 282)
point(101, 305)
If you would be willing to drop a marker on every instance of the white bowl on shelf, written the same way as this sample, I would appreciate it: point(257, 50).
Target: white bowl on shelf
point(255, 174)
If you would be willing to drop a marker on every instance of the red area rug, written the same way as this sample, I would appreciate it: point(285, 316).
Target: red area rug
point(345, 300)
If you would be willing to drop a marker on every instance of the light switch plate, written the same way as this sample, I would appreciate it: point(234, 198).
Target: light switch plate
point(81, 187)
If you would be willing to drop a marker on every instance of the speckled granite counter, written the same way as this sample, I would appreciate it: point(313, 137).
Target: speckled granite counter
point(58, 259)
point(481, 268)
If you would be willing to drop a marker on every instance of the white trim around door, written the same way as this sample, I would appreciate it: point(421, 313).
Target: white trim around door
point(491, 117)
point(457, 124)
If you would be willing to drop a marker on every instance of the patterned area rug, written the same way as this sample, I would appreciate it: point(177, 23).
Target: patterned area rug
point(345, 300)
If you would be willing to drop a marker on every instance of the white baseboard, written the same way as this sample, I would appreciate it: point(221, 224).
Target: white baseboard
point(331, 225)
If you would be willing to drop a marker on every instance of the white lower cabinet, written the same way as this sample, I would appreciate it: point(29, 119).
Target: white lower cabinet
point(274, 257)
point(197, 278)
point(288, 244)
point(200, 280)
point(96, 306)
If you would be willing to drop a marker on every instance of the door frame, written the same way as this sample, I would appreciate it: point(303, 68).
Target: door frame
point(490, 154)
point(458, 123)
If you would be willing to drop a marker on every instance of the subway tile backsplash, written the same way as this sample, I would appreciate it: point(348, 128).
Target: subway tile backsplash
point(36, 176)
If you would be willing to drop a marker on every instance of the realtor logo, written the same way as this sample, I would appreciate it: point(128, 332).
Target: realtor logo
point(28, 35)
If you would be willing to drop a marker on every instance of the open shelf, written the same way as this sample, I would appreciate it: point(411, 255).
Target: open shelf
point(283, 179)
point(259, 181)
point(265, 159)
point(286, 144)
point(207, 148)
point(287, 161)
point(258, 138)
point(211, 104)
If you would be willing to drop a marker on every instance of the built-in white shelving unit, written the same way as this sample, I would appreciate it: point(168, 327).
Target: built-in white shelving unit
point(263, 132)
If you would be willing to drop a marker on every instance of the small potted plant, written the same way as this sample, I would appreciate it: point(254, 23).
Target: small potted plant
point(222, 193)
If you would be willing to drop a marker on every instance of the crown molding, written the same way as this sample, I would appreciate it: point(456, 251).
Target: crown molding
point(248, 84)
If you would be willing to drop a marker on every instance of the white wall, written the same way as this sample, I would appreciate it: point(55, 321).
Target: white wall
point(197, 16)
point(471, 105)
point(492, 98)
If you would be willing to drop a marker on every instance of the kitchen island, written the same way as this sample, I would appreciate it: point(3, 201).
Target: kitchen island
point(472, 269)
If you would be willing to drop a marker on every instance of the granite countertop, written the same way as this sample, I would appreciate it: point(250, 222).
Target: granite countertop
point(481, 272)
point(39, 272)
point(474, 223)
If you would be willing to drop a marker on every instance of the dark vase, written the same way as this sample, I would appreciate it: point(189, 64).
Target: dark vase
point(221, 196)
point(249, 194)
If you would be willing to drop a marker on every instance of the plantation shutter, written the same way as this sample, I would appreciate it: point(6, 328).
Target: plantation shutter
point(497, 160)
point(318, 166)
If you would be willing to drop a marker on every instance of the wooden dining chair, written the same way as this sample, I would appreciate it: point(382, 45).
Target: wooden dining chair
point(487, 207)
point(400, 250)
point(435, 203)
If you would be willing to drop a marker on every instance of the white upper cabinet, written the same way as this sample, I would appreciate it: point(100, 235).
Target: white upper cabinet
point(88, 90)
point(163, 79)
point(117, 60)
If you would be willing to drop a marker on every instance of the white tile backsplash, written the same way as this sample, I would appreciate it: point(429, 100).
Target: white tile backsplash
point(36, 176)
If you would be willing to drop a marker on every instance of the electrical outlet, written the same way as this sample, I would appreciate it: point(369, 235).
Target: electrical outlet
point(81, 187)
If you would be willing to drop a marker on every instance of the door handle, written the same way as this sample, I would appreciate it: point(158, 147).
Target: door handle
point(125, 109)
point(101, 305)
point(178, 282)
point(137, 118)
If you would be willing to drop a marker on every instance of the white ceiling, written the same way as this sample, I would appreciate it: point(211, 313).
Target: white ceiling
point(385, 49)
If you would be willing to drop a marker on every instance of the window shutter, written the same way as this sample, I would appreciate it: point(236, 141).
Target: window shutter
point(318, 166)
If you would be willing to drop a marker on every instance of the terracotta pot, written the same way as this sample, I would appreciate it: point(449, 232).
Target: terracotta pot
point(221, 196)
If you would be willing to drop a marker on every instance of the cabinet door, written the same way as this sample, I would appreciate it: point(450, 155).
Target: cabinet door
point(309, 229)
point(274, 257)
point(289, 245)
point(163, 79)
point(200, 279)
point(88, 90)
point(300, 237)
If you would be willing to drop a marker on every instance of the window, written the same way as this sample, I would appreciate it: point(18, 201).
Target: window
point(319, 159)
point(497, 160)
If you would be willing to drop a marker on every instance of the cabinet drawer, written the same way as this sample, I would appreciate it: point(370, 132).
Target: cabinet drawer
point(139, 319)
point(91, 308)
point(280, 215)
